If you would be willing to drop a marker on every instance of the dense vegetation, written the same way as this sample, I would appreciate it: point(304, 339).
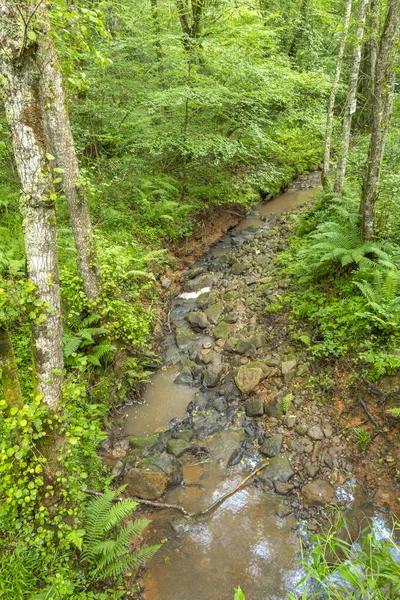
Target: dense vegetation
point(178, 111)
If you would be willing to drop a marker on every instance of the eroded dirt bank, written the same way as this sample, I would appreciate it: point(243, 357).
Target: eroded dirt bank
point(240, 394)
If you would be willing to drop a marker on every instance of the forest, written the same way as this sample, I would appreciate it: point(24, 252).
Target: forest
point(145, 146)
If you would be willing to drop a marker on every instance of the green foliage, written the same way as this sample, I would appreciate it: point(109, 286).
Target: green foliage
point(105, 543)
point(383, 299)
point(238, 594)
point(364, 438)
point(336, 568)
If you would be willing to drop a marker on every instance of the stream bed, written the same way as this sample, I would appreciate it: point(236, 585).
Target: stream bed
point(229, 398)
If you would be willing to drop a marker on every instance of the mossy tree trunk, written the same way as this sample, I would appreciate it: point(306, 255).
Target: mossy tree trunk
point(9, 370)
point(351, 101)
point(24, 115)
point(381, 114)
point(332, 98)
point(60, 143)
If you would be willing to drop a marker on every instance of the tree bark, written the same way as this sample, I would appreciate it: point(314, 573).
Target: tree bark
point(59, 142)
point(332, 99)
point(9, 370)
point(22, 102)
point(381, 115)
point(351, 101)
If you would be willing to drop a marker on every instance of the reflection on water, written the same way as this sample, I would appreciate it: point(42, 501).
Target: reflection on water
point(286, 201)
point(163, 401)
point(242, 542)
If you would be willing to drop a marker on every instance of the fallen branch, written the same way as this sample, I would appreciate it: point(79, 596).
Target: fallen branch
point(223, 498)
point(369, 413)
point(145, 502)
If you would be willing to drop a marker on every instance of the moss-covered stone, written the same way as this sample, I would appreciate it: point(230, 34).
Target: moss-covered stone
point(222, 331)
point(143, 442)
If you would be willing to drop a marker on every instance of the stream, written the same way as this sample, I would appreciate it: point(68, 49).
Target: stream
point(214, 412)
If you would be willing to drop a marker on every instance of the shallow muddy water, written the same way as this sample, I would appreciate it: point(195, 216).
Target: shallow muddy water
point(163, 400)
point(242, 542)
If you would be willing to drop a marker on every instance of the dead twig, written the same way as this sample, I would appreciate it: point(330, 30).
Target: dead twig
point(225, 496)
point(368, 412)
point(145, 502)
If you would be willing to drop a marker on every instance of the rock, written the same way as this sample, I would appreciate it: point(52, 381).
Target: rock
point(184, 337)
point(222, 331)
point(278, 469)
point(219, 404)
point(272, 446)
point(235, 457)
point(245, 347)
point(254, 407)
point(318, 493)
point(328, 432)
point(258, 364)
point(247, 379)
point(238, 268)
point(119, 448)
point(185, 377)
point(117, 468)
point(315, 433)
point(301, 428)
point(312, 470)
point(283, 488)
point(290, 421)
point(202, 281)
point(178, 447)
point(192, 273)
point(273, 407)
point(203, 300)
point(214, 312)
point(148, 485)
point(165, 463)
point(258, 340)
point(288, 370)
point(212, 375)
point(166, 283)
point(198, 320)
point(143, 442)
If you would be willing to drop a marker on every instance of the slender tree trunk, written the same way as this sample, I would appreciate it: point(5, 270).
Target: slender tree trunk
point(373, 42)
point(332, 99)
point(382, 111)
point(9, 370)
point(59, 142)
point(351, 101)
point(24, 115)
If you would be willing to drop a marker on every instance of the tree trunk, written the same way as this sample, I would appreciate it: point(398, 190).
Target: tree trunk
point(9, 370)
point(332, 99)
point(381, 115)
point(21, 96)
point(157, 32)
point(351, 101)
point(59, 142)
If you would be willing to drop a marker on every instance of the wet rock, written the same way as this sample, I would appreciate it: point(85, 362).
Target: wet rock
point(178, 447)
point(282, 488)
point(198, 320)
point(212, 375)
point(278, 469)
point(148, 485)
point(245, 347)
point(203, 300)
point(315, 433)
point(235, 457)
point(232, 317)
point(288, 370)
point(318, 493)
point(192, 273)
point(222, 331)
point(247, 379)
point(254, 407)
point(184, 337)
point(164, 463)
point(214, 312)
point(143, 442)
point(272, 446)
point(185, 377)
point(283, 511)
point(203, 281)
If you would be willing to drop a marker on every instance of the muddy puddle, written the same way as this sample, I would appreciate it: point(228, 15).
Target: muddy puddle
point(162, 401)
